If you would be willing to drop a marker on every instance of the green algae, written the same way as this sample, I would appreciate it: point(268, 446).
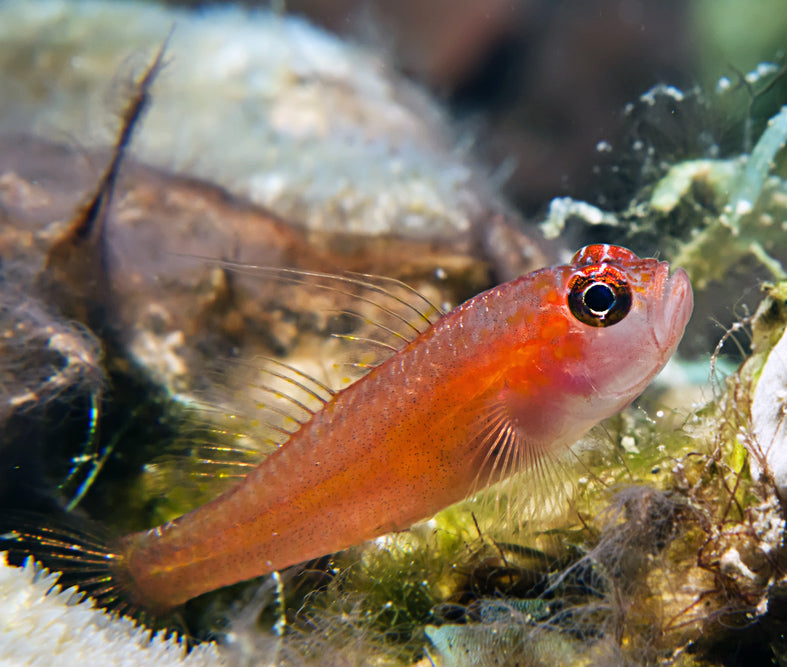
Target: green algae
point(709, 213)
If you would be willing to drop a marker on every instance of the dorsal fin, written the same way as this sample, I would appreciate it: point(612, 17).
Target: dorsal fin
point(204, 463)
point(223, 440)
point(394, 311)
point(342, 283)
point(280, 398)
point(266, 399)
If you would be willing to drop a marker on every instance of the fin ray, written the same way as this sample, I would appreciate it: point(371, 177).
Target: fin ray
point(409, 312)
point(275, 397)
point(427, 313)
point(81, 554)
point(505, 457)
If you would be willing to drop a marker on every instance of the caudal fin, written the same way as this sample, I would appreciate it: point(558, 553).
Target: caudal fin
point(81, 552)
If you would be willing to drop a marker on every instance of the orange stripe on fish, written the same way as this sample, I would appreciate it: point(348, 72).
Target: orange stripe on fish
point(514, 375)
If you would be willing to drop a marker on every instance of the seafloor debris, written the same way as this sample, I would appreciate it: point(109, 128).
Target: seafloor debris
point(712, 202)
point(710, 213)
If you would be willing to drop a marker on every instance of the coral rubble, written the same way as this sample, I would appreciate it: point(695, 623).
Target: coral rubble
point(40, 624)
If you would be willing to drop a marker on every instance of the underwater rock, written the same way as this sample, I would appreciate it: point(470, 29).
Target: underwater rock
point(289, 117)
point(171, 310)
point(358, 171)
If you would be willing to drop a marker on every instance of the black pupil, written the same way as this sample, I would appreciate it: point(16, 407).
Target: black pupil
point(599, 298)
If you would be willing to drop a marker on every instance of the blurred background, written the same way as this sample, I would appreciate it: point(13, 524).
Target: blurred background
point(539, 83)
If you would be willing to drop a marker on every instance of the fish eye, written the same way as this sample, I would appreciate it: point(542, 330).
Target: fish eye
point(599, 296)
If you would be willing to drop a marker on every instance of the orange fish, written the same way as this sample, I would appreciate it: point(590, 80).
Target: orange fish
point(514, 375)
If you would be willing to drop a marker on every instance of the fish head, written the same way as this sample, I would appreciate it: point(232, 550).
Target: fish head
point(629, 314)
point(581, 342)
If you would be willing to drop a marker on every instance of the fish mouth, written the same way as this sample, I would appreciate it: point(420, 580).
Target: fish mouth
point(676, 306)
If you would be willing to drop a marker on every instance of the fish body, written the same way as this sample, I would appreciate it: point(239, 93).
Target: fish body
point(510, 377)
point(505, 382)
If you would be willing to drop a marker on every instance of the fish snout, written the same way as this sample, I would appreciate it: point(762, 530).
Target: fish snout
point(676, 306)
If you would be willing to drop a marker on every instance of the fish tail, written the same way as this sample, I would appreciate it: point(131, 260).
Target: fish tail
point(84, 554)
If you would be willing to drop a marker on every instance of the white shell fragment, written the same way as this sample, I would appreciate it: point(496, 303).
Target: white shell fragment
point(42, 625)
point(768, 419)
